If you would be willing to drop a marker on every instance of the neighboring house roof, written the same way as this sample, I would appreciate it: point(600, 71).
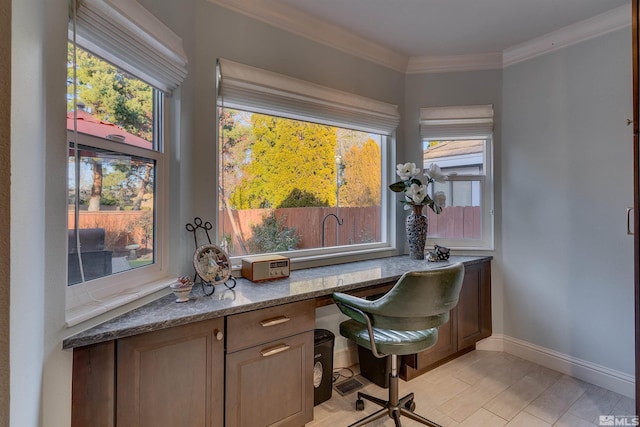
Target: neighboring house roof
point(454, 148)
point(91, 125)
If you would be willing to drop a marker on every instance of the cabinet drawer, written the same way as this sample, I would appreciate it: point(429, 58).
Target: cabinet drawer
point(271, 384)
point(260, 326)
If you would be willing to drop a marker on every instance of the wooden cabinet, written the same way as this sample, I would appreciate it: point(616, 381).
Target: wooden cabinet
point(172, 377)
point(474, 306)
point(259, 372)
point(93, 385)
point(469, 322)
point(269, 360)
point(636, 186)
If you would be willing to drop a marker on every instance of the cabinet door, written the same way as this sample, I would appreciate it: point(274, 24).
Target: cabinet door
point(93, 384)
point(172, 377)
point(474, 305)
point(636, 185)
point(446, 345)
point(271, 384)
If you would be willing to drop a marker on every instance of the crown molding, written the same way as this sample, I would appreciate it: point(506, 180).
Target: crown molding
point(615, 19)
point(440, 64)
point(320, 31)
point(306, 25)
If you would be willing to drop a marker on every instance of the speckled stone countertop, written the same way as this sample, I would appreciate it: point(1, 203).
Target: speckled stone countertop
point(246, 296)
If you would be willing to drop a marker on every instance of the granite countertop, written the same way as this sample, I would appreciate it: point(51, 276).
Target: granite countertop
point(246, 296)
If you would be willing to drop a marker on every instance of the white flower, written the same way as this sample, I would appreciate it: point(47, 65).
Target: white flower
point(416, 193)
point(440, 198)
point(407, 170)
point(435, 173)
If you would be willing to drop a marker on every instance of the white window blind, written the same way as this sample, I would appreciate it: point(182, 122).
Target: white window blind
point(127, 35)
point(456, 122)
point(244, 87)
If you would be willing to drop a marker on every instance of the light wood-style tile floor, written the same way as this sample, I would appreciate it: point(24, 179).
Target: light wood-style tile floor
point(492, 389)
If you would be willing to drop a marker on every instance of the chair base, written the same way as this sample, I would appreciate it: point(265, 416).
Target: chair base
point(394, 407)
point(403, 408)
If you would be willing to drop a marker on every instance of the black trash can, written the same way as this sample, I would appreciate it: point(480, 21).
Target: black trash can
point(322, 365)
point(374, 369)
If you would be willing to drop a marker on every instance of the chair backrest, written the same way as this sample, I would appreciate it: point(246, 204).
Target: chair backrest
point(419, 300)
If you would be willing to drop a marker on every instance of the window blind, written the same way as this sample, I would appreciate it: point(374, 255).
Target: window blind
point(127, 35)
point(462, 121)
point(244, 87)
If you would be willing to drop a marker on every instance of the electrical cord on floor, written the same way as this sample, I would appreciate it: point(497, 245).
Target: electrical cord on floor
point(337, 374)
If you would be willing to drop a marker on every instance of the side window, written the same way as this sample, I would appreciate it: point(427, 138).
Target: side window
point(123, 64)
point(114, 155)
point(459, 140)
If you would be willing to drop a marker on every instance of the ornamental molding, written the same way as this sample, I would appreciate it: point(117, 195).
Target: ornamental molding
point(305, 25)
point(440, 64)
point(615, 19)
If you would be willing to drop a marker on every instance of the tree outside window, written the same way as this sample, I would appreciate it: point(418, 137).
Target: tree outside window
point(317, 185)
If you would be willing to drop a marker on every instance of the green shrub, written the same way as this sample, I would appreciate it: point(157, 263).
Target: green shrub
point(272, 236)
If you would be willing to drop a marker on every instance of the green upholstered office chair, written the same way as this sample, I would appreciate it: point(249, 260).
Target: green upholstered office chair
point(405, 320)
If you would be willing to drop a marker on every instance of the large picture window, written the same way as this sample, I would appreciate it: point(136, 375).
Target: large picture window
point(298, 175)
point(291, 185)
point(459, 140)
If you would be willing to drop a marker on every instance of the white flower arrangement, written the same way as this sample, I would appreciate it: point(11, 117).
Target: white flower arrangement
point(415, 192)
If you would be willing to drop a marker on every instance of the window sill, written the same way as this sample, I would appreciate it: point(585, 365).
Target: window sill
point(92, 309)
point(322, 260)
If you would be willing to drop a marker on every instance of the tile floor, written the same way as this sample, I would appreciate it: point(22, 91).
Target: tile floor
point(492, 389)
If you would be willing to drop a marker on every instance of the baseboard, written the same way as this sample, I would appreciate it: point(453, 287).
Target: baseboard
point(593, 373)
point(494, 343)
point(345, 357)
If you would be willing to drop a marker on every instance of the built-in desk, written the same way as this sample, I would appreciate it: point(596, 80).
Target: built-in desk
point(166, 353)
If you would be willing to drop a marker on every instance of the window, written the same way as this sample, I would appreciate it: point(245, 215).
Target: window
point(300, 171)
point(115, 157)
point(458, 139)
point(117, 82)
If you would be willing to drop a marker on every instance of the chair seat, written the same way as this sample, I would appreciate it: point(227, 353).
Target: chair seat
point(389, 341)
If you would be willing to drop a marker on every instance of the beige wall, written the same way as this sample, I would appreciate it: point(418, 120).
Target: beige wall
point(5, 130)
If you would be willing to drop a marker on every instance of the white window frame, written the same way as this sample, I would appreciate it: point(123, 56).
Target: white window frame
point(128, 36)
point(129, 284)
point(486, 202)
point(465, 122)
point(255, 90)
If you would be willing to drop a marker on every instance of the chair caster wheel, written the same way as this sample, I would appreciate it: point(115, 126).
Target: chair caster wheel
point(359, 405)
point(410, 405)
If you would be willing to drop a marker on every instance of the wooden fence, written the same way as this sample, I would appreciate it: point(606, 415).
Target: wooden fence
point(456, 222)
point(360, 225)
point(121, 228)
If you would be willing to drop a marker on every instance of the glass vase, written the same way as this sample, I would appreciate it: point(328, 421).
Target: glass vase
point(416, 226)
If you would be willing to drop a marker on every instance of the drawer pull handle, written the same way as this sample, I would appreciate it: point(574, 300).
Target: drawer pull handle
point(274, 350)
point(274, 321)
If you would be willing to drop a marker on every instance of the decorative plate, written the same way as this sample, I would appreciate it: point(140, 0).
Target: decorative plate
point(212, 264)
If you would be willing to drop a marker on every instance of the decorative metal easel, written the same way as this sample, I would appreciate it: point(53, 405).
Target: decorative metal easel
point(197, 279)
